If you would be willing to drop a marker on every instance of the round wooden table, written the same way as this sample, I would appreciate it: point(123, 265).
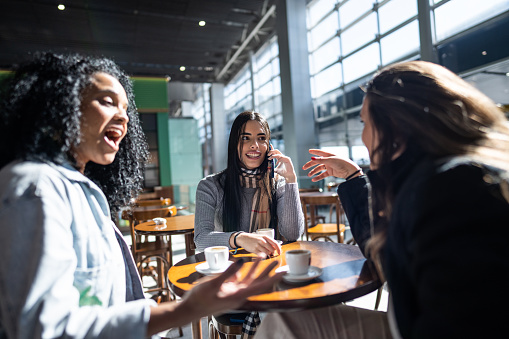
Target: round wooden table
point(180, 224)
point(346, 275)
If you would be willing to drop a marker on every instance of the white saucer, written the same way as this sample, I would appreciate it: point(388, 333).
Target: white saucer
point(204, 268)
point(313, 273)
point(280, 242)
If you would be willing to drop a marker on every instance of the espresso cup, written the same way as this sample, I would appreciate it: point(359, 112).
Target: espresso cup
point(298, 261)
point(216, 257)
point(268, 232)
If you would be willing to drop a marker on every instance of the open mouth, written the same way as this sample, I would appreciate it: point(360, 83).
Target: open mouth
point(253, 155)
point(113, 137)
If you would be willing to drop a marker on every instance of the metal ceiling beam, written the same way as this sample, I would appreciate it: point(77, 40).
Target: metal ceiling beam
point(251, 35)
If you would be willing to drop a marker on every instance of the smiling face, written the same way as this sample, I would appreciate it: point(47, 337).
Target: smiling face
point(253, 145)
point(103, 122)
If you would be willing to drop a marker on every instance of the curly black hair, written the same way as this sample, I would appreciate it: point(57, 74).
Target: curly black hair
point(40, 119)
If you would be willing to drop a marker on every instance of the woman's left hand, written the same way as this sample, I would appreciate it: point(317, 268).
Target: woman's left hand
point(229, 290)
point(284, 166)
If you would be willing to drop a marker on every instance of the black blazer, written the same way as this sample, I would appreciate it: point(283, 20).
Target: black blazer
point(446, 257)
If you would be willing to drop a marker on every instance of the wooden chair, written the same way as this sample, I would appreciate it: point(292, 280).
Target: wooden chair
point(154, 202)
point(312, 190)
point(164, 191)
point(145, 251)
point(147, 195)
point(317, 230)
point(221, 327)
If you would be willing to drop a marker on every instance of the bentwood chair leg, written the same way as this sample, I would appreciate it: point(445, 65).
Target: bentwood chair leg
point(378, 297)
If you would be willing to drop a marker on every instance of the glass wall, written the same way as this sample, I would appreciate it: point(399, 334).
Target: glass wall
point(259, 89)
point(349, 40)
point(454, 16)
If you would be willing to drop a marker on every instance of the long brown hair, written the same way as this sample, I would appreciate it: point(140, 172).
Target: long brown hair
point(422, 105)
point(232, 198)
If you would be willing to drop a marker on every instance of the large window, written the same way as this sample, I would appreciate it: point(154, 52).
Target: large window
point(349, 40)
point(259, 90)
point(201, 112)
point(454, 16)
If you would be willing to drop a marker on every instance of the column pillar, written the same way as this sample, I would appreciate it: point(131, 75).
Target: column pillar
point(218, 124)
point(297, 106)
point(425, 35)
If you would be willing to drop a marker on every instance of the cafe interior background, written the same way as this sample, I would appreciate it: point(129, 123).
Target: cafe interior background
point(196, 64)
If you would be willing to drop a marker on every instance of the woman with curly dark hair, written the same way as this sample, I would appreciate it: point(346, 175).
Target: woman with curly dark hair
point(43, 116)
point(73, 150)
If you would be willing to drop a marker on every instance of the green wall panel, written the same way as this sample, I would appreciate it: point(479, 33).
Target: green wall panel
point(163, 144)
point(179, 156)
point(150, 94)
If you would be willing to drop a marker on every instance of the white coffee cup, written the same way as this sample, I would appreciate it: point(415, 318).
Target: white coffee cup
point(268, 232)
point(216, 256)
point(298, 261)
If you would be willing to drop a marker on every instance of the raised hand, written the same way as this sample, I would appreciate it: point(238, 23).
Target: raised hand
point(227, 291)
point(213, 295)
point(284, 165)
point(328, 164)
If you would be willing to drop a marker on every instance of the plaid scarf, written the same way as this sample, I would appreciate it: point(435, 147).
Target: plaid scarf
point(260, 209)
point(260, 218)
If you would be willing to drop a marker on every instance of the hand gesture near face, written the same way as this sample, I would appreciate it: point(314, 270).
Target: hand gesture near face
point(328, 164)
point(284, 165)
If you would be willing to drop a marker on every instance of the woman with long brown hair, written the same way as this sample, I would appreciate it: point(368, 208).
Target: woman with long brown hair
point(249, 194)
point(433, 210)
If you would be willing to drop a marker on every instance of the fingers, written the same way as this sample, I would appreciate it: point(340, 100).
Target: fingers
point(314, 162)
point(267, 269)
point(230, 272)
point(275, 245)
point(321, 153)
point(267, 246)
point(318, 169)
point(250, 277)
point(263, 283)
point(250, 273)
point(320, 177)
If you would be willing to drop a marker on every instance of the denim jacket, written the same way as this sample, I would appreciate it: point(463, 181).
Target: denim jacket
point(62, 271)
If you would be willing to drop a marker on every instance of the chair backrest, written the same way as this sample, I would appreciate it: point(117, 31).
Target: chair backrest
point(164, 191)
point(154, 202)
point(144, 215)
point(137, 216)
point(147, 195)
point(309, 202)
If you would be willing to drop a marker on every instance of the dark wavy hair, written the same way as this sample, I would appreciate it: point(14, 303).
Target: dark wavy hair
point(40, 120)
point(232, 198)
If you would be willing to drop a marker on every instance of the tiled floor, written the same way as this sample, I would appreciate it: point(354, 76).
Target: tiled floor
point(178, 246)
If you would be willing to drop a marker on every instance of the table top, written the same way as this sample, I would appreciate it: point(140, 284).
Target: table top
point(346, 275)
point(179, 224)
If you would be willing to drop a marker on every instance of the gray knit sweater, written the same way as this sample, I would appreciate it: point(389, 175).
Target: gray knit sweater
point(208, 223)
